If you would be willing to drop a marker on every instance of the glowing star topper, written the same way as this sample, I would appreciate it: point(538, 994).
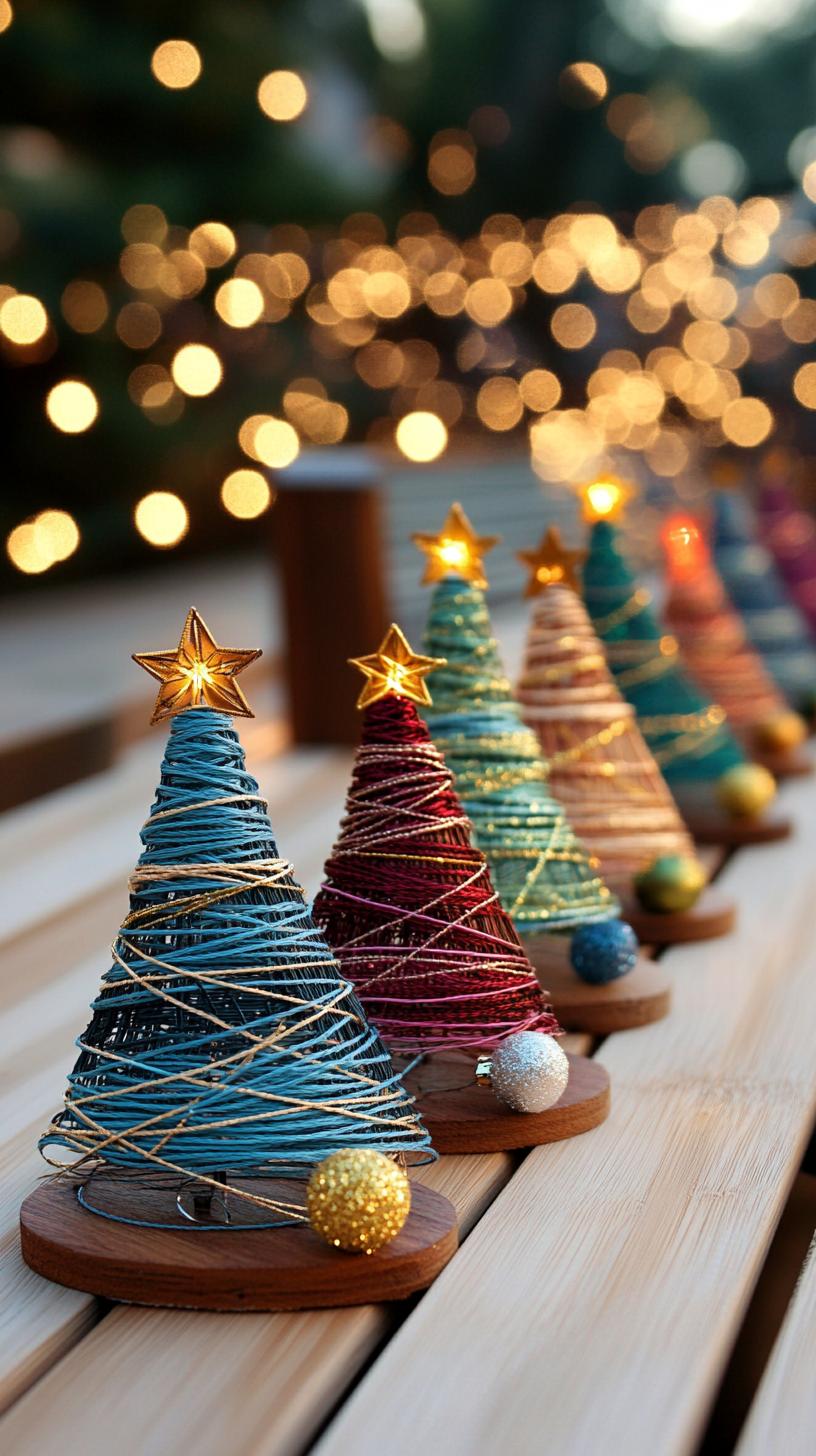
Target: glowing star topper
point(394, 668)
point(604, 499)
point(551, 563)
point(455, 551)
point(198, 673)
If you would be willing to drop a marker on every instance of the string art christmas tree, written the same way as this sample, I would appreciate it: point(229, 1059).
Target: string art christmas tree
point(226, 1059)
point(412, 915)
point(773, 622)
point(687, 733)
point(790, 534)
point(600, 767)
point(716, 650)
point(547, 880)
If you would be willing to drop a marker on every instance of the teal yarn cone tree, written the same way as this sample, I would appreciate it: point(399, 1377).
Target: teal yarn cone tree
point(545, 878)
point(688, 735)
point(224, 1044)
point(775, 624)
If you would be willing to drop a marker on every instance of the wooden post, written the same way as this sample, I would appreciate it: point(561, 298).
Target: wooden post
point(328, 523)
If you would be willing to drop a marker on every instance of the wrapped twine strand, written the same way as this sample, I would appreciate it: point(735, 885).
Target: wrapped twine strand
point(223, 1037)
point(600, 767)
point(409, 907)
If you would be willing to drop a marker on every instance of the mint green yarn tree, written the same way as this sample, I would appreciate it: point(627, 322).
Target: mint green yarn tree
point(545, 878)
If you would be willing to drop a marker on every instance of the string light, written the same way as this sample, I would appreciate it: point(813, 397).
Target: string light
point(38, 544)
point(196, 369)
point(282, 95)
point(23, 319)
point(246, 494)
point(72, 406)
point(239, 302)
point(176, 64)
point(421, 436)
point(162, 518)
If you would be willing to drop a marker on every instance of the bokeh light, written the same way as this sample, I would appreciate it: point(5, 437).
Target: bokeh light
point(239, 302)
point(282, 95)
point(176, 64)
point(804, 385)
point(23, 319)
point(72, 406)
point(213, 242)
point(275, 443)
point(421, 436)
point(196, 369)
point(583, 84)
point(6, 15)
point(747, 421)
point(161, 517)
point(246, 494)
point(39, 543)
point(84, 306)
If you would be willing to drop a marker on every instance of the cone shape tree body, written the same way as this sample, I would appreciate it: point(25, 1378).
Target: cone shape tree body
point(600, 766)
point(773, 622)
point(790, 535)
point(546, 878)
point(687, 734)
point(409, 907)
point(224, 1037)
point(714, 643)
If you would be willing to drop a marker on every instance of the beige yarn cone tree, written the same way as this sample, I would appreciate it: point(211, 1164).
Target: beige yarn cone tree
point(600, 766)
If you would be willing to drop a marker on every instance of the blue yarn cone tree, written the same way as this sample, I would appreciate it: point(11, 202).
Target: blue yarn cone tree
point(545, 878)
point(774, 623)
point(224, 1043)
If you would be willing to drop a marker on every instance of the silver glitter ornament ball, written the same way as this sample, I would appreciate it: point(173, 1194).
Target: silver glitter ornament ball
point(529, 1071)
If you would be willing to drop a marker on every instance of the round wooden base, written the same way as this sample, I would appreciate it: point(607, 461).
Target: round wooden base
point(463, 1117)
point(642, 996)
point(795, 763)
point(712, 916)
point(711, 825)
point(226, 1269)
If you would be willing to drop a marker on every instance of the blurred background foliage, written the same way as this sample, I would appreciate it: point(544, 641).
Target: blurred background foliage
point(124, 128)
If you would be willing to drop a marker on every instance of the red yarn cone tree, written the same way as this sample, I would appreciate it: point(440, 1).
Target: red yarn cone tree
point(410, 911)
point(716, 650)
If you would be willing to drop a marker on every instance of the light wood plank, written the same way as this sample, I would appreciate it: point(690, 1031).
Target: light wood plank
point(598, 1299)
point(783, 1415)
point(166, 1380)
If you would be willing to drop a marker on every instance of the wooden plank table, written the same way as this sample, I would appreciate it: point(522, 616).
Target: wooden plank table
point(603, 1282)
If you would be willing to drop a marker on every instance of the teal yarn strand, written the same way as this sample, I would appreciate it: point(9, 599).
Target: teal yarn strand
point(687, 734)
point(223, 1038)
point(543, 875)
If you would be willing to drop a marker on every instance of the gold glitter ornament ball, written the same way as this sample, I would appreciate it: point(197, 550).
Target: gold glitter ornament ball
point(671, 882)
point(529, 1072)
point(781, 733)
point(745, 790)
point(358, 1200)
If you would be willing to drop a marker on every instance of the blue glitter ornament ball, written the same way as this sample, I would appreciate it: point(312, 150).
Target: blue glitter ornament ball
point(604, 952)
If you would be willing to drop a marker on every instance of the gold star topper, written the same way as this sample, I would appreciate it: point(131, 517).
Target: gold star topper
point(395, 668)
point(198, 673)
point(455, 551)
point(551, 563)
point(604, 499)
